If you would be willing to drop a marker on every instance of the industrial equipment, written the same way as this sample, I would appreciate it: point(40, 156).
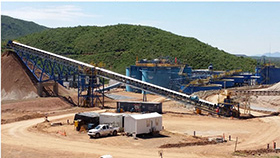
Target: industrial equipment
point(227, 106)
point(101, 72)
point(85, 119)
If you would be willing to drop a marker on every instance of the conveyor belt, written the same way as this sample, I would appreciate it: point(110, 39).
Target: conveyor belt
point(258, 93)
point(174, 95)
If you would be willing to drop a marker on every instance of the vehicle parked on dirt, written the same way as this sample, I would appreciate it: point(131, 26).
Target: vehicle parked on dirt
point(86, 118)
point(103, 130)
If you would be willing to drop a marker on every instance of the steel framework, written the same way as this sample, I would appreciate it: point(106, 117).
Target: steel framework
point(93, 72)
point(46, 67)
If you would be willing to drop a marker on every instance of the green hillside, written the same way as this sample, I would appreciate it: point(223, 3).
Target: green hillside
point(12, 28)
point(119, 45)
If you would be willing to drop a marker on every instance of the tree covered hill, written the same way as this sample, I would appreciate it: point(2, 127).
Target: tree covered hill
point(12, 28)
point(118, 46)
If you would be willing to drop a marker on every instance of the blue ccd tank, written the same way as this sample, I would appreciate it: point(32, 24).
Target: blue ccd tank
point(160, 76)
point(127, 73)
point(133, 72)
point(174, 72)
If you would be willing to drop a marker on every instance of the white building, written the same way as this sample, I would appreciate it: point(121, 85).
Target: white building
point(142, 123)
point(113, 119)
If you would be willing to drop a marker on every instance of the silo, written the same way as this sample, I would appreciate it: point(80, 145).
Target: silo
point(134, 72)
point(127, 73)
point(160, 76)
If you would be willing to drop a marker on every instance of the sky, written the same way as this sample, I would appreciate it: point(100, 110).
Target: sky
point(249, 28)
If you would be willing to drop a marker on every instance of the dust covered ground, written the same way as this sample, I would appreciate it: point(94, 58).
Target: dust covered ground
point(34, 137)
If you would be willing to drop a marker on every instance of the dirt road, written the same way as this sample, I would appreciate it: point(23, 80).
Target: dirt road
point(18, 140)
point(17, 135)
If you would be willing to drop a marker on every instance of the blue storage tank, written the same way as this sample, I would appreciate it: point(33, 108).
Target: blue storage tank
point(160, 76)
point(134, 72)
point(175, 72)
point(127, 73)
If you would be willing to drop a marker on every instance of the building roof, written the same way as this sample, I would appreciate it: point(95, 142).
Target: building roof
point(145, 116)
point(110, 114)
point(89, 114)
point(139, 102)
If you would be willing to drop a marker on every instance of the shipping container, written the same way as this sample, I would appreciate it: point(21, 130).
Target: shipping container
point(116, 120)
point(136, 106)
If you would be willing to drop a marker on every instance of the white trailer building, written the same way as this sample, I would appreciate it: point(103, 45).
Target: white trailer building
point(142, 123)
point(113, 119)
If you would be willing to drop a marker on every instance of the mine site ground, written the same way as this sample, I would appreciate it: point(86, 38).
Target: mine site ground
point(24, 132)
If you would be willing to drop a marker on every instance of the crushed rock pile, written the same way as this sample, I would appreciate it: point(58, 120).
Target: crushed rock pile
point(271, 102)
point(275, 87)
point(15, 83)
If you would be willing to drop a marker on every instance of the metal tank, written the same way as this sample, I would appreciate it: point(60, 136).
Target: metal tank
point(134, 72)
point(127, 73)
point(160, 76)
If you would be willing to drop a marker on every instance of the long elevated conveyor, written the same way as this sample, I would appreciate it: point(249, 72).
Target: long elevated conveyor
point(101, 72)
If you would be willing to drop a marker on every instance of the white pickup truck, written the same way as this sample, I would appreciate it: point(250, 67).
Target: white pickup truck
point(103, 130)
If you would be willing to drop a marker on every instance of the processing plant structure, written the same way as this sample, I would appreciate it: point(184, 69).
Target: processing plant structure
point(170, 73)
point(163, 76)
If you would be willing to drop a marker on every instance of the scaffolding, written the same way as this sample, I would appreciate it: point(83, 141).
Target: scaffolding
point(88, 85)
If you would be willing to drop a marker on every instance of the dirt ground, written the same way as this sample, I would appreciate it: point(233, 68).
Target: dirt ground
point(32, 138)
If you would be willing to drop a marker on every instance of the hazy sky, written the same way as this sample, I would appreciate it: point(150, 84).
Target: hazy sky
point(237, 27)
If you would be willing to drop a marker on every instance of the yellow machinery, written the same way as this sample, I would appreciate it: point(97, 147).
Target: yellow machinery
point(226, 73)
point(207, 80)
point(228, 107)
point(244, 99)
point(198, 111)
